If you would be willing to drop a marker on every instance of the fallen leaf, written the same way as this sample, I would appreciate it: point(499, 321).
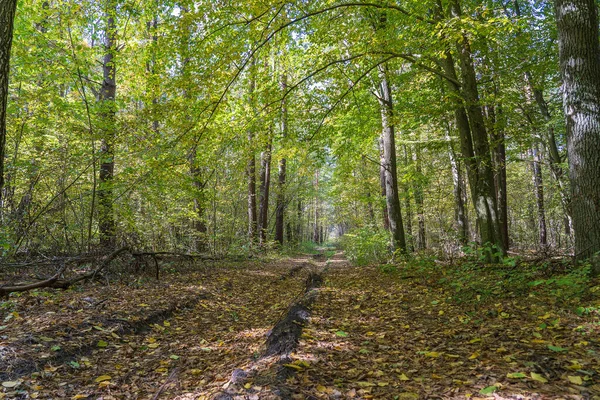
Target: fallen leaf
point(103, 378)
point(575, 380)
point(538, 377)
point(488, 390)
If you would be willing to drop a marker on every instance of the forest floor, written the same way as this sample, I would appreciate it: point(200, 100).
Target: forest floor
point(374, 332)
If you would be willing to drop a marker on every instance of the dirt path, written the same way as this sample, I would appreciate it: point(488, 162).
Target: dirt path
point(225, 315)
point(312, 328)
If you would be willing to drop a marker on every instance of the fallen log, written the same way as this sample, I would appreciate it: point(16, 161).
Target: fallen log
point(54, 281)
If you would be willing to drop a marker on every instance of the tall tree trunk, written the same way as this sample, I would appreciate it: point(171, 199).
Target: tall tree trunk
point(389, 154)
point(498, 145)
point(538, 186)
point(386, 219)
point(579, 54)
point(554, 158)
point(316, 232)
point(474, 141)
point(460, 216)
point(410, 245)
point(251, 169)
point(280, 211)
point(265, 183)
point(419, 200)
point(199, 222)
point(7, 17)
point(108, 90)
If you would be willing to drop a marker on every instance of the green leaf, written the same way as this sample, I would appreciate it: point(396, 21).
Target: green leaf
point(341, 334)
point(102, 343)
point(55, 348)
point(488, 390)
point(538, 377)
point(516, 375)
point(174, 357)
point(557, 349)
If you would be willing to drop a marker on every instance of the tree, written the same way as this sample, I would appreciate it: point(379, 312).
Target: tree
point(107, 95)
point(579, 53)
point(7, 17)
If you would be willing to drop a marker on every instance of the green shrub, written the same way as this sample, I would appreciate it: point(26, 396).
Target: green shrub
point(366, 246)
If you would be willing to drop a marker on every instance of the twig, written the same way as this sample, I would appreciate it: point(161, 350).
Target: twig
point(164, 385)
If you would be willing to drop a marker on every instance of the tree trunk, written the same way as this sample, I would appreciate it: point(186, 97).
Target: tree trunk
point(579, 54)
point(107, 96)
point(280, 211)
point(199, 223)
point(386, 220)
point(419, 200)
point(460, 216)
point(265, 183)
point(389, 154)
point(496, 129)
point(7, 17)
point(251, 171)
point(316, 237)
point(410, 245)
point(539, 196)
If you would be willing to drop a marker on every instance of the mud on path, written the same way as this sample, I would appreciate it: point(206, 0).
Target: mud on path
point(131, 342)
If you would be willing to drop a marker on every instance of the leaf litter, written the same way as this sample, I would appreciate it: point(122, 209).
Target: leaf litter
point(371, 335)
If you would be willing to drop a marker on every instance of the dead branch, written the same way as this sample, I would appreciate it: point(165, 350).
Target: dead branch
point(6, 290)
point(54, 282)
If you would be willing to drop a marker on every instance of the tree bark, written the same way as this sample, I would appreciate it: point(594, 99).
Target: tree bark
point(386, 219)
point(579, 55)
point(498, 146)
point(538, 186)
point(419, 200)
point(280, 211)
point(251, 170)
point(389, 154)
point(265, 183)
point(107, 96)
point(460, 215)
point(7, 17)
point(199, 222)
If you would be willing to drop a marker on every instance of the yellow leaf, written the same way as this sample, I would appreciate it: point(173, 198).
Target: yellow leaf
point(143, 305)
point(433, 354)
point(575, 366)
point(575, 380)
point(153, 345)
point(322, 389)
point(103, 378)
point(538, 377)
point(476, 340)
point(441, 312)
point(404, 378)
point(166, 323)
point(151, 340)
point(79, 396)
point(248, 385)
point(474, 355)
point(382, 384)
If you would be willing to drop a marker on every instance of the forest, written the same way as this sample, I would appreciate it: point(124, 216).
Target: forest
point(325, 199)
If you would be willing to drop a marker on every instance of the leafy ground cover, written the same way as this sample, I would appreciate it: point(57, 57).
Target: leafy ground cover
point(406, 332)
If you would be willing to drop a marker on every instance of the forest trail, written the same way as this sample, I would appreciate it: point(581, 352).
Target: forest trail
point(372, 333)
